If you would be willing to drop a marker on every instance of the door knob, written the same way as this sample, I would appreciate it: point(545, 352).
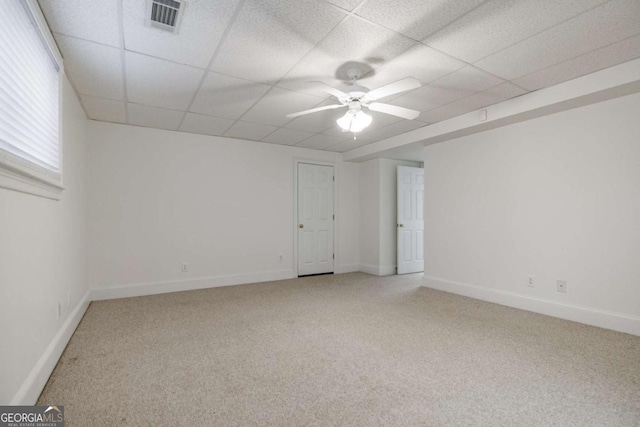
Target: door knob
point(400, 225)
point(301, 226)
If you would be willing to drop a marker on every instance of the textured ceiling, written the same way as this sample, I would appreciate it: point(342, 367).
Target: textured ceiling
point(237, 67)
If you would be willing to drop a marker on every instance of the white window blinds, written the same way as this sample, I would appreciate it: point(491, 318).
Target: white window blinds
point(29, 91)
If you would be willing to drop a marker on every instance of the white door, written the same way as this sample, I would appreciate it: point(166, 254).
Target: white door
point(315, 219)
point(410, 220)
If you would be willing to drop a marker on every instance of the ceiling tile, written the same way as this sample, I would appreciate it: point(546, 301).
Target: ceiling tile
point(498, 24)
point(457, 85)
point(225, 96)
point(152, 81)
point(277, 103)
point(345, 4)
point(202, 20)
point(353, 41)
point(336, 131)
point(270, 36)
point(292, 43)
point(320, 142)
point(95, 69)
point(590, 62)
point(87, 19)
point(603, 25)
point(347, 145)
point(420, 62)
point(483, 99)
point(468, 79)
point(287, 136)
point(198, 123)
point(415, 18)
point(105, 110)
point(246, 130)
point(153, 117)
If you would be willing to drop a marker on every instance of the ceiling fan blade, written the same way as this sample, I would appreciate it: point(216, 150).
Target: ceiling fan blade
point(330, 89)
point(394, 110)
point(392, 88)
point(315, 110)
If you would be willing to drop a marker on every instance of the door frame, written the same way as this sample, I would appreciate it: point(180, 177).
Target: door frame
point(296, 162)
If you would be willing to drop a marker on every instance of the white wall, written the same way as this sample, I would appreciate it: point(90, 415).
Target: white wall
point(378, 206)
point(370, 216)
point(348, 231)
point(224, 206)
point(42, 261)
point(556, 197)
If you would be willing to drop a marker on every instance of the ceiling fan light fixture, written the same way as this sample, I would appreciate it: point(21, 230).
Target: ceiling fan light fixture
point(354, 121)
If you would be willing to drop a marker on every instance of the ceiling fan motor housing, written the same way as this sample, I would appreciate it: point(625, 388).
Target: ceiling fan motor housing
point(354, 95)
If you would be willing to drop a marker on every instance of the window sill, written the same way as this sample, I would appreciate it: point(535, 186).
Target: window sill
point(23, 181)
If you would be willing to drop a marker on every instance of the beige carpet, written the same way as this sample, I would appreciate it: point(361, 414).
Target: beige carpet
point(351, 349)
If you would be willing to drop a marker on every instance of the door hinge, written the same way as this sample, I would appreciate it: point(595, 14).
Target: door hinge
point(334, 177)
point(334, 256)
point(334, 217)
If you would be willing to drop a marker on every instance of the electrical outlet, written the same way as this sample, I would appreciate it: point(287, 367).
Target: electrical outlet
point(531, 281)
point(185, 267)
point(561, 285)
point(281, 259)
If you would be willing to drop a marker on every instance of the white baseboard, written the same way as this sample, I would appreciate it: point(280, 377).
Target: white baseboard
point(163, 287)
point(36, 380)
point(378, 270)
point(370, 269)
point(346, 268)
point(591, 316)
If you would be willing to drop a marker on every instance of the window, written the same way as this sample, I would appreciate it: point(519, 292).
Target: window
point(30, 82)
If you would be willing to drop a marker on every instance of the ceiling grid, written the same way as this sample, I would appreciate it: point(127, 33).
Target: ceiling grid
point(123, 61)
point(237, 67)
point(213, 56)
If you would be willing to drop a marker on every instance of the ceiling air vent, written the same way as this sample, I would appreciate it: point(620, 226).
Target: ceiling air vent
point(165, 14)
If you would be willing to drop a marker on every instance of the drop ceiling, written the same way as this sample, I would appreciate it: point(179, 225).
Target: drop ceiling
point(237, 67)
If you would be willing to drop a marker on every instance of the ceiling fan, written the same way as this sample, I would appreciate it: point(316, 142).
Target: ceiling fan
point(357, 97)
